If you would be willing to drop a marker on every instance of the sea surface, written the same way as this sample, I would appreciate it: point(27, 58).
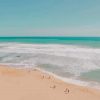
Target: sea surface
point(73, 59)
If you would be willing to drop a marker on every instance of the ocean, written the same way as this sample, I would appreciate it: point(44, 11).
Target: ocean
point(72, 59)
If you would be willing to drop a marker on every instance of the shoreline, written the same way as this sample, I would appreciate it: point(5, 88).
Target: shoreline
point(35, 84)
point(63, 79)
point(70, 80)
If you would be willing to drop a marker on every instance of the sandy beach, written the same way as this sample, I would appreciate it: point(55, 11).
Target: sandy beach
point(22, 84)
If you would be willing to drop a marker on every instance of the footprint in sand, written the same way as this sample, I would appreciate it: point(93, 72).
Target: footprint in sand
point(66, 91)
point(34, 69)
point(43, 76)
point(53, 87)
point(48, 77)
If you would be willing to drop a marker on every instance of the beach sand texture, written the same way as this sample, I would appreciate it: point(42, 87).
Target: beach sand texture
point(22, 84)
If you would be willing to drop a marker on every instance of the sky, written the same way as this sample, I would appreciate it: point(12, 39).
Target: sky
point(49, 17)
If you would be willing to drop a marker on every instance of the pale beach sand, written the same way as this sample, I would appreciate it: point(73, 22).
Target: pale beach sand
point(22, 84)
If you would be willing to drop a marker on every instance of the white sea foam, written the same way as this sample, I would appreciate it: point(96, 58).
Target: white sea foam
point(66, 58)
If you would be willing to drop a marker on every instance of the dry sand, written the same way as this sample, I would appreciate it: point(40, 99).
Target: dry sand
point(22, 84)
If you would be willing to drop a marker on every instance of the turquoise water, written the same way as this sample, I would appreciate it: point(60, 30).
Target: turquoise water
point(92, 75)
point(85, 41)
point(75, 58)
